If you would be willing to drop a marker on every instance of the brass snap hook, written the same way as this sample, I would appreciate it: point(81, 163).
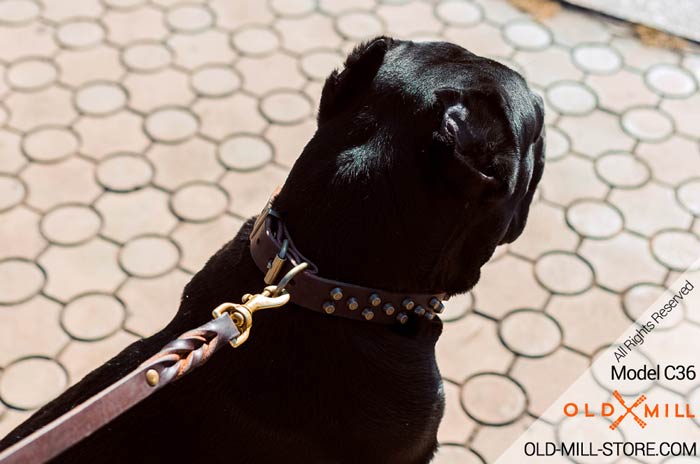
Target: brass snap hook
point(273, 296)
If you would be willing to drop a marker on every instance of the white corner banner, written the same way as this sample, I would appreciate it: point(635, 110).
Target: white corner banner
point(638, 402)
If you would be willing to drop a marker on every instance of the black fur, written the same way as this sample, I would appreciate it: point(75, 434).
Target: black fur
point(426, 157)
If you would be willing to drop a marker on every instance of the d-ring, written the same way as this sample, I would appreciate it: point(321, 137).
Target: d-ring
point(288, 277)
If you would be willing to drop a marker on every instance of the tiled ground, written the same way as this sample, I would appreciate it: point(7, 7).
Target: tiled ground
point(135, 136)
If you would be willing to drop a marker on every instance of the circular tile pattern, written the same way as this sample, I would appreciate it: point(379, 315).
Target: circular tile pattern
point(670, 81)
point(19, 280)
point(689, 196)
point(147, 56)
point(12, 192)
point(189, 18)
point(594, 219)
point(255, 40)
point(647, 124)
point(171, 125)
point(359, 25)
point(17, 11)
point(530, 333)
point(676, 249)
point(571, 98)
point(31, 74)
point(199, 202)
point(458, 13)
point(527, 35)
point(285, 107)
point(124, 4)
point(124, 172)
point(80, 33)
point(32, 382)
point(93, 316)
point(319, 64)
point(558, 144)
point(622, 170)
point(215, 81)
point(640, 298)
point(292, 7)
point(493, 399)
point(50, 144)
point(149, 256)
point(70, 224)
point(245, 152)
point(563, 272)
point(597, 58)
point(100, 98)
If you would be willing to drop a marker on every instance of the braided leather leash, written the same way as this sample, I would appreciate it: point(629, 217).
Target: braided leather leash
point(176, 359)
point(231, 324)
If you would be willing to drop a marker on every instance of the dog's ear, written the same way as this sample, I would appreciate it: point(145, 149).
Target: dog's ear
point(463, 133)
point(361, 67)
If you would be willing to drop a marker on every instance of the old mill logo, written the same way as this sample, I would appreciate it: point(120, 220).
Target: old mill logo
point(640, 410)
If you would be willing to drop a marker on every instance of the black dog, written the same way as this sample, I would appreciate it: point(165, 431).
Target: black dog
point(425, 159)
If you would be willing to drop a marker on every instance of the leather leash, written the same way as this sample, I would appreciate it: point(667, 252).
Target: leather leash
point(274, 252)
point(231, 323)
point(176, 359)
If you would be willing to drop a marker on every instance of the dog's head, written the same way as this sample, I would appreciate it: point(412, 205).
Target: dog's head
point(425, 159)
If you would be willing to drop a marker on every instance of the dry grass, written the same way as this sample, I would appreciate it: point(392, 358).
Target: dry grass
point(540, 9)
point(656, 38)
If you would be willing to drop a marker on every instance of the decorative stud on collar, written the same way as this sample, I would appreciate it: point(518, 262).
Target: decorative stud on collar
point(274, 252)
point(389, 309)
point(337, 293)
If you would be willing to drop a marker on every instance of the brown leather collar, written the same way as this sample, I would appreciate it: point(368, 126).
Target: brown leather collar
point(274, 253)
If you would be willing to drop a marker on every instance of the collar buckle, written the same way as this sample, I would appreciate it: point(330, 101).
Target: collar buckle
point(275, 266)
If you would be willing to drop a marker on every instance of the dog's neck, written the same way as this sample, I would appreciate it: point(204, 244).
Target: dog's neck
point(354, 246)
point(381, 250)
point(276, 255)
